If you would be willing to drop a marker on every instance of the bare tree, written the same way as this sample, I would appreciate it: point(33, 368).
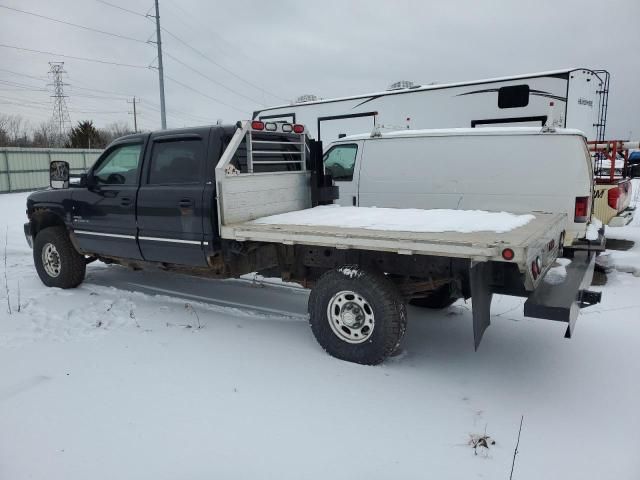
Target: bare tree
point(44, 135)
point(4, 137)
point(115, 130)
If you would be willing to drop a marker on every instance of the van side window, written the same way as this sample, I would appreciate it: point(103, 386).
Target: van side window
point(120, 167)
point(176, 161)
point(514, 96)
point(340, 161)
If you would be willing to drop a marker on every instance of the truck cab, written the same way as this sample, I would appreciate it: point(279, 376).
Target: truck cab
point(148, 196)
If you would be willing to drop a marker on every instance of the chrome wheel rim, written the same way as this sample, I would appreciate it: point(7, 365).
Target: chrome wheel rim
point(51, 260)
point(351, 317)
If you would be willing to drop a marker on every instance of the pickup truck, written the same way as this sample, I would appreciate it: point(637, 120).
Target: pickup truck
point(207, 201)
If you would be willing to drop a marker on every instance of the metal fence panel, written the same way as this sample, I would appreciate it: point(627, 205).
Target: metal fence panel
point(28, 168)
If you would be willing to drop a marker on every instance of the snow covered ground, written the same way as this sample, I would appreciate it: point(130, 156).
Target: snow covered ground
point(116, 380)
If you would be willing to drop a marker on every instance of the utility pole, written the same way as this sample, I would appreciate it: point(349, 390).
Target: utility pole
point(60, 117)
point(163, 114)
point(135, 115)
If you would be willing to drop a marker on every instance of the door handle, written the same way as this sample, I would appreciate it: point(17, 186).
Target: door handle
point(353, 200)
point(185, 202)
point(125, 202)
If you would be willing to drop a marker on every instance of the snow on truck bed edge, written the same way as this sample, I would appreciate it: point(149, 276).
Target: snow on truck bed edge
point(400, 219)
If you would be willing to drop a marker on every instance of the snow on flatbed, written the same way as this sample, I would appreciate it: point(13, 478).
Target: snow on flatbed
point(400, 219)
point(114, 380)
point(454, 233)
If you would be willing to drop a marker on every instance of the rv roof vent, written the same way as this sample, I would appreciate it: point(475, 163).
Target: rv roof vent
point(306, 98)
point(401, 84)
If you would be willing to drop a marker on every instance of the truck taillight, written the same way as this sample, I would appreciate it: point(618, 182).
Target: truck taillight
point(257, 125)
point(582, 210)
point(298, 128)
point(613, 197)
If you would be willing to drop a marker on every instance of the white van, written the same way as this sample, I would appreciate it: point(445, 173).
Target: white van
point(519, 169)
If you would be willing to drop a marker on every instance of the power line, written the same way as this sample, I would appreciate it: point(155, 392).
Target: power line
point(122, 8)
point(24, 86)
point(180, 115)
point(204, 94)
point(99, 112)
point(84, 27)
point(23, 74)
point(211, 79)
point(230, 72)
point(204, 28)
point(86, 59)
point(24, 101)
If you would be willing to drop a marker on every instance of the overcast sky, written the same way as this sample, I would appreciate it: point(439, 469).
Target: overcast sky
point(269, 52)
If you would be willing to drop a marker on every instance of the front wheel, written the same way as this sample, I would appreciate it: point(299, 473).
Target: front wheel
point(357, 315)
point(57, 262)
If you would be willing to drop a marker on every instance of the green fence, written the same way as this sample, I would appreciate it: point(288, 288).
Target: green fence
point(23, 169)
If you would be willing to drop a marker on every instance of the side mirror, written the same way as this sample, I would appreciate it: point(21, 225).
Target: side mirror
point(59, 174)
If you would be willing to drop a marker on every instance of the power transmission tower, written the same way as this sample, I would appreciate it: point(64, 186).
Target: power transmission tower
point(163, 115)
point(135, 115)
point(60, 118)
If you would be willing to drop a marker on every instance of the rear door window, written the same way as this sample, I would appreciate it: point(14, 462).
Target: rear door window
point(340, 161)
point(177, 162)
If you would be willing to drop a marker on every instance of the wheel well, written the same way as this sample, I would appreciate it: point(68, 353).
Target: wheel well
point(44, 218)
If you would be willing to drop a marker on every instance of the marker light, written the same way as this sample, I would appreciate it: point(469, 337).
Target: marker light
point(508, 254)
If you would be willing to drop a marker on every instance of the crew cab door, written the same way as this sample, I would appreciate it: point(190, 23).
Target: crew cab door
point(103, 214)
point(342, 161)
point(170, 199)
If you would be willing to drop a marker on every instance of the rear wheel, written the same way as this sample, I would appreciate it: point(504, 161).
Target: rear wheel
point(357, 315)
point(57, 262)
point(438, 299)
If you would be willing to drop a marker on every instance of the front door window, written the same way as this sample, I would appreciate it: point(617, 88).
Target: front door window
point(340, 161)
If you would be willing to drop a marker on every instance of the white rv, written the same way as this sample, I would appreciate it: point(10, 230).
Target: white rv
point(513, 169)
point(579, 96)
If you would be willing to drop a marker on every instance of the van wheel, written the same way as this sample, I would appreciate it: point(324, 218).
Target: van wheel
point(438, 299)
point(57, 262)
point(357, 315)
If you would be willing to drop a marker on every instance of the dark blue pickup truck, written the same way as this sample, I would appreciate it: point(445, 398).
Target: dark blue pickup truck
point(195, 201)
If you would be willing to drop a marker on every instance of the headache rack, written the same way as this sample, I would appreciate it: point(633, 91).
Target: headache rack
point(265, 170)
point(260, 147)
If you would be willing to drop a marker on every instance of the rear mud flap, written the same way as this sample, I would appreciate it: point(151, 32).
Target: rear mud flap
point(563, 301)
point(480, 277)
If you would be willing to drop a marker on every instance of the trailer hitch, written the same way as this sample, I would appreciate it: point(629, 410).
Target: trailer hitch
point(586, 298)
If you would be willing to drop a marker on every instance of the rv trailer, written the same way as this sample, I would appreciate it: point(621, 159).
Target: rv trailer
point(579, 96)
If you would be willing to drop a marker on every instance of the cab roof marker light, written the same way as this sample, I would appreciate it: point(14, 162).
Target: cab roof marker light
point(270, 127)
point(287, 127)
point(257, 125)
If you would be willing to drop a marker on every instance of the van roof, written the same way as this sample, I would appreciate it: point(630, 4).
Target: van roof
point(448, 132)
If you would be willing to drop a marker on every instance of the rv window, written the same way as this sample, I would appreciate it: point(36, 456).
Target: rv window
point(340, 161)
point(513, 97)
